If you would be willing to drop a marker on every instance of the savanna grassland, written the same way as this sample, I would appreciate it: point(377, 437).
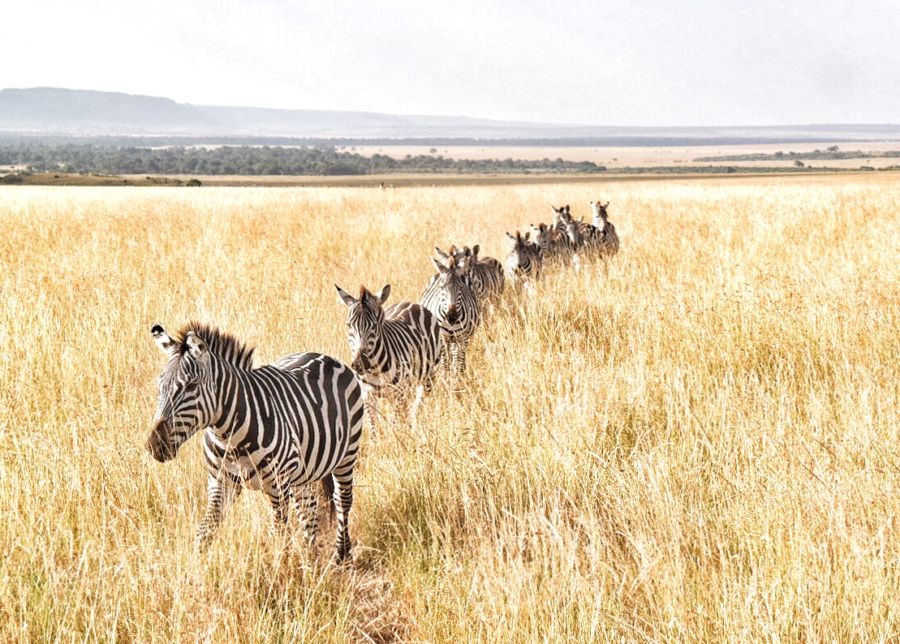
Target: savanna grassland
point(699, 443)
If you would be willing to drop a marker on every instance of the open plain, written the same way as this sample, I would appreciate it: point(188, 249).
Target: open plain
point(697, 442)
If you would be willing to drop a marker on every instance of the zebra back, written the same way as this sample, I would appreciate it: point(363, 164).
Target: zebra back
point(487, 274)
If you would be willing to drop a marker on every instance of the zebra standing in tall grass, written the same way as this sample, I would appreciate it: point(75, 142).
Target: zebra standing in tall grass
point(484, 275)
point(609, 238)
point(277, 428)
point(554, 245)
point(450, 298)
point(392, 348)
point(523, 262)
point(584, 239)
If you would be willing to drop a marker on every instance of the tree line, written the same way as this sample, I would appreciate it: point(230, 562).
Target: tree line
point(257, 160)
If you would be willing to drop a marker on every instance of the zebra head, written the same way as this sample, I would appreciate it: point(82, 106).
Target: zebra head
point(454, 254)
point(542, 236)
point(365, 323)
point(573, 232)
point(561, 216)
point(518, 260)
point(599, 211)
point(449, 282)
point(185, 393)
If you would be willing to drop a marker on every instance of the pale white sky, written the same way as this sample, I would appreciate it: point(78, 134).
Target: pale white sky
point(598, 62)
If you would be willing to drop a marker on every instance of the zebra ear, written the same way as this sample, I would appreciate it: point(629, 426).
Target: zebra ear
point(441, 268)
point(475, 249)
point(384, 293)
point(441, 253)
point(510, 236)
point(196, 346)
point(163, 341)
point(527, 235)
point(344, 296)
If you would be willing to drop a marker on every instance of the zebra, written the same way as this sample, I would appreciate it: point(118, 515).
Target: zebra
point(483, 275)
point(583, 238)
point(276, 428)
point(486, 275)
point(610, 240)
point(524, 259)
point(450, 298)
point(553, 243)
point(392, 348)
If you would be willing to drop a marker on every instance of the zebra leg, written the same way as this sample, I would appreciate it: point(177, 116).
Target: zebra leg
point(219, 495)
point(281, 504)
point(416, 403)
point(307, 508)
point(461, 348)
point(343, 499)
point(370, 409)
point(445, 353)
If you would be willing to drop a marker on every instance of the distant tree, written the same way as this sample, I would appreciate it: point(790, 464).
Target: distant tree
point(832, 148)
point(798, 163)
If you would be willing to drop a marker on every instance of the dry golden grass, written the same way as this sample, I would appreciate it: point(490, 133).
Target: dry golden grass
point(699, 445)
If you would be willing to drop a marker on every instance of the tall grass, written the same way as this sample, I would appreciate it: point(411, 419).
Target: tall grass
point(699, 443)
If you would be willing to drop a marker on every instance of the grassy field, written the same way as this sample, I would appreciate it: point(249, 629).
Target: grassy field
point(699, 444)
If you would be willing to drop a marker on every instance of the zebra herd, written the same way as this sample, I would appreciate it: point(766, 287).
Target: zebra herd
point(281, 427)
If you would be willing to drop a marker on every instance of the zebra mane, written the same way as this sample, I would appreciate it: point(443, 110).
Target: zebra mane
point(224, 345)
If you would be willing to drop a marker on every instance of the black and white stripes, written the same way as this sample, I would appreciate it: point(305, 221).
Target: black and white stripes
point(281, 428)
point(392, 349)
point(451, 299)
point(277, 428)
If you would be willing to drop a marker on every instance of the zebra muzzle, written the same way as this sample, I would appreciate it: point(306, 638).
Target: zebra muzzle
point(453, 313)
point(360, 363)
point(159, 443)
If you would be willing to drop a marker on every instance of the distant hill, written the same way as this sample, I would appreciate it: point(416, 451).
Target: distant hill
point(46, 110)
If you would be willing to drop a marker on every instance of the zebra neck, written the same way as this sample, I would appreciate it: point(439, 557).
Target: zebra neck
point(381, 358)
point(232, 400)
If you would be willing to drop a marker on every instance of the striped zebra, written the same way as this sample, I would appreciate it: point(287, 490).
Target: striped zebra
point(450, 298)
point(277, 428)
point(483, 275)
point(523, 262)
point(486, 275)
point(553, 243)
point(610, 240)
point(392, 348)
point(585, 239)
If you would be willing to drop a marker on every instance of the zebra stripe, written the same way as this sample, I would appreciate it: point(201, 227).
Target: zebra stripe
point(483, 275)
point(452, 301)
point(601, 222)
point(277, 428)
point(524, 258)
point(486, 276)
point(392, 348)
point(554, 244)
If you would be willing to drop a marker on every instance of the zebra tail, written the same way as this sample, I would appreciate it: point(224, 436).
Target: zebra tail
point(328, 491)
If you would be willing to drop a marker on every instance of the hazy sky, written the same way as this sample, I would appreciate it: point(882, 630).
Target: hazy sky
point(645, 62)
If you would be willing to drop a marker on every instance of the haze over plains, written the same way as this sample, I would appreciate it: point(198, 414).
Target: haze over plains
point(598, 63)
